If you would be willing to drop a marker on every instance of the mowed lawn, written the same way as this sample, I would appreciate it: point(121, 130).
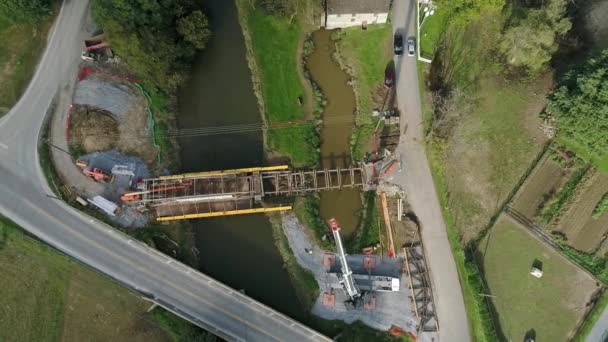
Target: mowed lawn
point(367, 53)
point(552, 305)
point(48, 297)
point(22, 45)
point(274, 42)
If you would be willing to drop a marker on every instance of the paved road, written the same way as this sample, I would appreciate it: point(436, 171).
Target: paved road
point(417, 181)
point(599, 333)
point(23, 199)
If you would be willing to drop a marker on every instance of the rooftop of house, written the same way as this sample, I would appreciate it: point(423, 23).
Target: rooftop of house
point(357, 6)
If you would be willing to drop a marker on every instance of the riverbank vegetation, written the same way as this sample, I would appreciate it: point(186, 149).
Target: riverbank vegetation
point(158, 41)
point(273, 32)
point(485, 96)
point(365, 54)
point(47, 297)
point(592, 318)
point(304, 282)
point(24, 26)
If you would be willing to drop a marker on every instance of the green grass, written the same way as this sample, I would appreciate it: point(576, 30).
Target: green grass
point(274, 42)
point(431, 32)
point(22, 45)
point(355, 332)
point(367, 53)
point(592, 318)
point(48, 297)
point(551, 305)
point(601, 207)
point(371, 229)
point(600, 162)
point(477, 312)
point(307, 209)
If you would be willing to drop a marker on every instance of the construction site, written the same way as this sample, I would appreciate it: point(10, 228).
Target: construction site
point(116, 169)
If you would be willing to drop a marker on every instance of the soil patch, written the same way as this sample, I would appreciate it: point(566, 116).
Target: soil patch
point(548, 178)
point(88, 125)
point(583, 231)
point(111, 114)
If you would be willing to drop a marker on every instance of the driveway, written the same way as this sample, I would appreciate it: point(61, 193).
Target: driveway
point(417, 181)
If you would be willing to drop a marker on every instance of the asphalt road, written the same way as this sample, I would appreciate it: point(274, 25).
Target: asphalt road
point(23, 198)
point(417, 181)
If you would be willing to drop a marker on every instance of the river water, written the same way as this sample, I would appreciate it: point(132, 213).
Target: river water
point(238, 251)
point(338, 118)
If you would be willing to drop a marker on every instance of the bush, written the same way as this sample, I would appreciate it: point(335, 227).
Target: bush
point(278, 8)
point(580, 108)
point(601, 207)
point(24, 10)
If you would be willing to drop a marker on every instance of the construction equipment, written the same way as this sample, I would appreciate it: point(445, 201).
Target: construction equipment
point(134, 196)
point(347, 275)
point(97, 174)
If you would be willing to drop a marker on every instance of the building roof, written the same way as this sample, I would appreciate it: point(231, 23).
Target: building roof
point(357, 6)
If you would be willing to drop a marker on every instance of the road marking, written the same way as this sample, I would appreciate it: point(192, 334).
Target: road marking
point(168, 261)
point(92, 221)
point(3, 146)
point(129, 241)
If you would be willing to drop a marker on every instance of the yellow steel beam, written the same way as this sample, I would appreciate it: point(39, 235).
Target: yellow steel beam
point(221, 172)
point(223, 213)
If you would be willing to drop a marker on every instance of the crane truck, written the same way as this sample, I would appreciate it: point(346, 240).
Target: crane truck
point(348, 281)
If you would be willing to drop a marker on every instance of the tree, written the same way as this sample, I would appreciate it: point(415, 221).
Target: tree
point(195, 29)
point(157, 38)
point(24, 10)
point(279, 8)
point(580, 107)
point(530, 42)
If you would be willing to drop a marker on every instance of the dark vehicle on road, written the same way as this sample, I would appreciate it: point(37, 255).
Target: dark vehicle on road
point(389, 78)
point(398, 44)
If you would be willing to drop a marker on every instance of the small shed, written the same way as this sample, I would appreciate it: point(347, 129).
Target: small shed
point(347, 13)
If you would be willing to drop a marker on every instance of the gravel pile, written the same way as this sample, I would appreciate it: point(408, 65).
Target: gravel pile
point(113, 97)
point(392, 308)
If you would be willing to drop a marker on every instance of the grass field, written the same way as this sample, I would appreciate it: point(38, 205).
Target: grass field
point(553, 305)
point(431, 31)
point(48, 297)
point(22, 45)
point(367, 54)
point(274, 44)
point(598, 309)
point(495, 135)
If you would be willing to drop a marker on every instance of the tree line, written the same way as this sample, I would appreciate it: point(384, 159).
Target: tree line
point(158, 39)
point(24, 10)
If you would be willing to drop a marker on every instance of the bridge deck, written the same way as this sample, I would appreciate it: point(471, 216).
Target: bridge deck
point(240, 191)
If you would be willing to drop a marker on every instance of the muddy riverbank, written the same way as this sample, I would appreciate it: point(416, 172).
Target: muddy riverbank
point(238, 251)
point(338, 120)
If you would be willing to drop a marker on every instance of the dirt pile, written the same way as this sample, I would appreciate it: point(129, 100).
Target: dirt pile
point(88, 125)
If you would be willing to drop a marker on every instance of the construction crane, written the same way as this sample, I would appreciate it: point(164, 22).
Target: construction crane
point(347, 275)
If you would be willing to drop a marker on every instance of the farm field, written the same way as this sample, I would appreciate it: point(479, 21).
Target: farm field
point(48, 297)
point(551, 306)
point(545, 181)
point(582, 230)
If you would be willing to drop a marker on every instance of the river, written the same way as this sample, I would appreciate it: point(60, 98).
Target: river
point(239, 250)
point(338, 118)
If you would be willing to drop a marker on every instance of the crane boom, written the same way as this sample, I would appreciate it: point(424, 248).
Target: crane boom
point(347, 275)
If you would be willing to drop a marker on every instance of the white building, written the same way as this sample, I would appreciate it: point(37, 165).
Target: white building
point(346, 13)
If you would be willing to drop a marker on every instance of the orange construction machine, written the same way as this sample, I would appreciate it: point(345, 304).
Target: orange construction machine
point(97, 174)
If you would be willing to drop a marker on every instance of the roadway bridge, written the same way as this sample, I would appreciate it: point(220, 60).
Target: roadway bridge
point(239, 191)
point(26, 198)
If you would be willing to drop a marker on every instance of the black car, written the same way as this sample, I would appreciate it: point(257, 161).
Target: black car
point(398, 44)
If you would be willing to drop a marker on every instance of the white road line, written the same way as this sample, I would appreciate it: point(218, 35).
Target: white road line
point(3, 146)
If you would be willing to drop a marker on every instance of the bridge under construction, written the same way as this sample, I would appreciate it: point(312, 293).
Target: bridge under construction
point(239, 191)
